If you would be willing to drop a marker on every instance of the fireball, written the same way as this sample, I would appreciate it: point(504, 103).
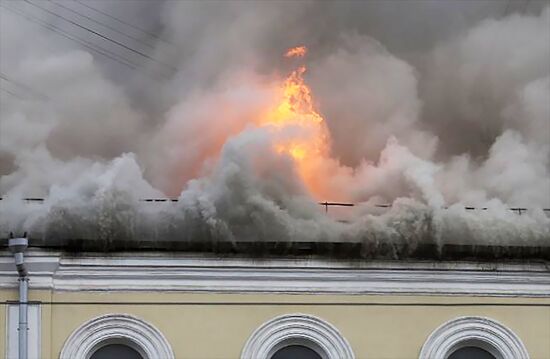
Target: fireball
point(299, 130)
point(299, 51)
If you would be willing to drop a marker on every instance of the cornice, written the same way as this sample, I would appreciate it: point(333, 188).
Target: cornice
point(199, 273)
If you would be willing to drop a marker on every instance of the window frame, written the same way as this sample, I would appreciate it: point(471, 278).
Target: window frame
point(297, 329)
point(124, 329)
point(480, 332)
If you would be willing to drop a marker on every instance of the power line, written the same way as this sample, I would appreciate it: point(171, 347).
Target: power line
point(87, 44)
point(23, 86)
point(519, 210)
point(78, 40)
point(5, 78)
point(102, 24)
point(100, 35)
point(123, 22)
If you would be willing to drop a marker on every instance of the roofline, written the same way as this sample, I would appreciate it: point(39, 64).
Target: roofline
point(367, 250)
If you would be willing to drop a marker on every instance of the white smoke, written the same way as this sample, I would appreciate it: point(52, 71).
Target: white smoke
point(464, 121)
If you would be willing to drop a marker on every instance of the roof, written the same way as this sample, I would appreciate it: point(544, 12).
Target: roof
point(425, 250)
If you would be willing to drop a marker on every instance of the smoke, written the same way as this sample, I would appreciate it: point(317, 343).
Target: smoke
point(430, 118)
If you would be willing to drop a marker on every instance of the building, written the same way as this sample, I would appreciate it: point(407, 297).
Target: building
point(279, 300)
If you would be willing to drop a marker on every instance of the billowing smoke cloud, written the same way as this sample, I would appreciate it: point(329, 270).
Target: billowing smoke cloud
point(431, 118)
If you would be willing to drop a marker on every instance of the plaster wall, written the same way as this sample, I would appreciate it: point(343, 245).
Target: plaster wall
point(376, 326)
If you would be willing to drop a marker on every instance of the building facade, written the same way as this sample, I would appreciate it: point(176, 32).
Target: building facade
point(185, 305)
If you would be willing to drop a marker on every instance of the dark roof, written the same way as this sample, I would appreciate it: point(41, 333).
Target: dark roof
point(337, 250)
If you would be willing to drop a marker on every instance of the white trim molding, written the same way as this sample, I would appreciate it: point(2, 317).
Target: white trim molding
point(116, 328)
point(155, 272)
point(297, 329)
point(481, 332)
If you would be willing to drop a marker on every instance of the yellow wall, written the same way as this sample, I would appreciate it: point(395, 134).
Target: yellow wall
point(5, 295)
point(206, 331)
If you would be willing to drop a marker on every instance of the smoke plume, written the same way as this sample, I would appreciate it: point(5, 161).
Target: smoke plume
point(179, 100)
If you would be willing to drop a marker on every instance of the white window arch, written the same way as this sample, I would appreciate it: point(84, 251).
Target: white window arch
point(479, 332)
point(297, 329)
point(116, 329)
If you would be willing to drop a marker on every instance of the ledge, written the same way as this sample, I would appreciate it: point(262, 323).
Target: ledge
point(180, 272)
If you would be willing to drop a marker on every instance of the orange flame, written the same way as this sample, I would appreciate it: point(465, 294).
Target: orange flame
point(299, 51)
point(301, 131)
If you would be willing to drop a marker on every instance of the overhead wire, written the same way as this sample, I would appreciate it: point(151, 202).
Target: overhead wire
point(102, 24)
point(98, 49)
point(100, 35)
point(27, 88)
point(326, 204)
point(123, 22)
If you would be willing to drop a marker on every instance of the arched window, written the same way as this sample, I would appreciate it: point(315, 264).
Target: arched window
point(116, 351)
point(471, 353)
point(297, 336)
point(119, 336)
point(296, 352)
point(473, 338)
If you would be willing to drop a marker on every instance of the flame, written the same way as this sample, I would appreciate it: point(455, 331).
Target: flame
point(299, 51)
point(300, 130)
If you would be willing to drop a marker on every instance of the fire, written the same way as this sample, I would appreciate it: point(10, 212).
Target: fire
point(299, 51)
point(300, 130)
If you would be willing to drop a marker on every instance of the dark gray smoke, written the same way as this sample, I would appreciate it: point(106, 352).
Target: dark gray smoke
point(429, 105)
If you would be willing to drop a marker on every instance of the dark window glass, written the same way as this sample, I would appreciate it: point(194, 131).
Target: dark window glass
point(296, 352)
point(471, 353)
point(116, 351)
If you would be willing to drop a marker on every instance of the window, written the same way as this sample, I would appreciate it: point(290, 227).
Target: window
point(116, 351)
point(119, 336)
point(296, 336)
point(471, 353)
point(473, 338)
point(296, 352)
